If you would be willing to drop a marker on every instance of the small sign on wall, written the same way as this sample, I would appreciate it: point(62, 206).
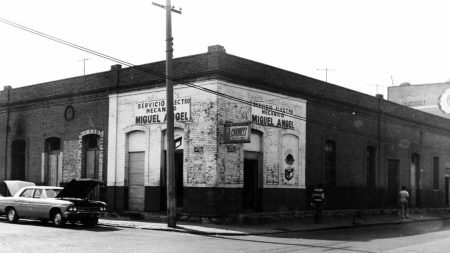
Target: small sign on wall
point(231, 149)
point(236, 133)
point(198, 149)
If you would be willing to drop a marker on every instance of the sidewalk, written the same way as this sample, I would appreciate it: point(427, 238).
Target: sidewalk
point(275, 227)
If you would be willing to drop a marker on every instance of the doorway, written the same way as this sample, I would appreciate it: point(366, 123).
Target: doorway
point(250, 189)
point(52, 173)
point(18, 160)
point(136, 189)
point(447, 185)
point(179, 186)
point(392, 182)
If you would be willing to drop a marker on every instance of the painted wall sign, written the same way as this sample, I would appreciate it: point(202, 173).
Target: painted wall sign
point(271, 115)
point(150, 112)
point(236, 133)
point(444, 99)
point(289, 169)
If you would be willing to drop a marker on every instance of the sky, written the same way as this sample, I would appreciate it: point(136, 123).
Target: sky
point(366, 45)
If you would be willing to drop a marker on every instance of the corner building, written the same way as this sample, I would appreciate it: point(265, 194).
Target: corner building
point(211, 176)
point(248, 137)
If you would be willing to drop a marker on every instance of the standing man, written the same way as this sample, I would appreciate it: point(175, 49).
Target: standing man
point(403, 199)
point(318, 197)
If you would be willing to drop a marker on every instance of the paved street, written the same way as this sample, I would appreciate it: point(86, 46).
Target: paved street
point(32, 236)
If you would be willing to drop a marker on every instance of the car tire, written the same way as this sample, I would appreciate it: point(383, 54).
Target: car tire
point(57, 219)
point(90, 221)
point(11, 215)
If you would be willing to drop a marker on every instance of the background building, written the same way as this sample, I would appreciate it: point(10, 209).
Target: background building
point(291, 132)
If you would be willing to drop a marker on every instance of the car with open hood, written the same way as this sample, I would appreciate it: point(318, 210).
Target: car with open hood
point(57, 204)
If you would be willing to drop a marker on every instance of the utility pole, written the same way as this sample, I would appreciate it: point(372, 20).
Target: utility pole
point(84, 65)
point(171, 196)
point(326, 73)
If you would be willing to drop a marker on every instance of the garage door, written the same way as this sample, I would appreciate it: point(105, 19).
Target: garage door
point(136, 181)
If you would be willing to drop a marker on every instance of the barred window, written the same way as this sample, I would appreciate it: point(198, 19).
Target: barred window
point(370, 165)
point(436, 173)
point(330, 162)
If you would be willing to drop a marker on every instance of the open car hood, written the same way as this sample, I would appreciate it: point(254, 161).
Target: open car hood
point(10, 187)
point(78, 188)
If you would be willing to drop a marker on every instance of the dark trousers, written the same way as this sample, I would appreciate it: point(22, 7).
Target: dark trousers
point(404, 209)
point(319, 212)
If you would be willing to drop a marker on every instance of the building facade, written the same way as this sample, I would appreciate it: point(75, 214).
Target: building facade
point(432, 98)
point(248, 137)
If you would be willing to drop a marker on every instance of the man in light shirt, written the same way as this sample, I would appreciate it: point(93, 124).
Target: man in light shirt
point(404, 198)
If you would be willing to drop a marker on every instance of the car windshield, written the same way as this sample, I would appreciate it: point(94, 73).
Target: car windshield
point(51, 193)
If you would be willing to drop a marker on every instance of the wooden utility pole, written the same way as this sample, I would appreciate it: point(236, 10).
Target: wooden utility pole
point(171, 196)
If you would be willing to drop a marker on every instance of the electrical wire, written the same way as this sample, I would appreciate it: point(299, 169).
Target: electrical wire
point(146, 70)
point(163, 76)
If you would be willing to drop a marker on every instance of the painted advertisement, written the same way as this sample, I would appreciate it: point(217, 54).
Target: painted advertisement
point(272, 115)
point(153, 112)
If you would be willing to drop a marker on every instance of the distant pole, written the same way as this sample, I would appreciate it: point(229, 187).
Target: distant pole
point(84, 65)
point(171, 196)
point(376, 86)
point(326, 73)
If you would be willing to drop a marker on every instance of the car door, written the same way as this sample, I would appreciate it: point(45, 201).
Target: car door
point(22, 202)
point(38, 205)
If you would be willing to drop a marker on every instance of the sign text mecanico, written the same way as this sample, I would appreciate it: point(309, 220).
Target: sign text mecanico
point(151, 112)
point(270, 115)
point(236, 133)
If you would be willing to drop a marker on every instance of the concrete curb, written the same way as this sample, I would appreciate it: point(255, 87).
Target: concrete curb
point(181, 229)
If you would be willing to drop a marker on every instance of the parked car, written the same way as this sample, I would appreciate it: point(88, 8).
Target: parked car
point(56, 204)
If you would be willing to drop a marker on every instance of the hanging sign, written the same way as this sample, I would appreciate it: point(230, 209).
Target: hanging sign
point(236, 133)
point(271, 115)
point(150, 112)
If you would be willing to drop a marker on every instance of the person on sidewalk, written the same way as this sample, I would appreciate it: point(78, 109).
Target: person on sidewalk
point(318, 198)
point(403, 199)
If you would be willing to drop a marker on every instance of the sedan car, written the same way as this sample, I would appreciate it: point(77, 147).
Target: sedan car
point(55, 203)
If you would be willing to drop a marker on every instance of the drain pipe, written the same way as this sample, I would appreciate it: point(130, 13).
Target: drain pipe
point(7, 89)
point(379, 98)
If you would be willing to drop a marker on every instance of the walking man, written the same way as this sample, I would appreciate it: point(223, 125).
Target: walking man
point(404, 198)
point(318, 197)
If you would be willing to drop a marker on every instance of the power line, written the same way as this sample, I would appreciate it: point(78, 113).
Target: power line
point(163, 76)
point(96, 53)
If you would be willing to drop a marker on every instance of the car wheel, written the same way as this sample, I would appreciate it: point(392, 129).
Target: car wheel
point(58, 219)
point(90, 221)
point(11, 215)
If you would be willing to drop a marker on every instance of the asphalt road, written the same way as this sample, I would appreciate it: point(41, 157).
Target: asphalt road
point(32, 236)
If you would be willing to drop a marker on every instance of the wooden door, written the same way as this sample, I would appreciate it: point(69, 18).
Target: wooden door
point(52, 173)
point(136, 189)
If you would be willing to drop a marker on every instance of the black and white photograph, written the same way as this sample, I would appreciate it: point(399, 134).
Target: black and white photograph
point(224, 126)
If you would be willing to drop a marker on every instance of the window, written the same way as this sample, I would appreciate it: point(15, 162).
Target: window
point(27, 193)
point(51, 193)
point(330, 162)
point(91, 140)
point(436, 173)
point(370, 166)
point(52, 144)
point(37, 194)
